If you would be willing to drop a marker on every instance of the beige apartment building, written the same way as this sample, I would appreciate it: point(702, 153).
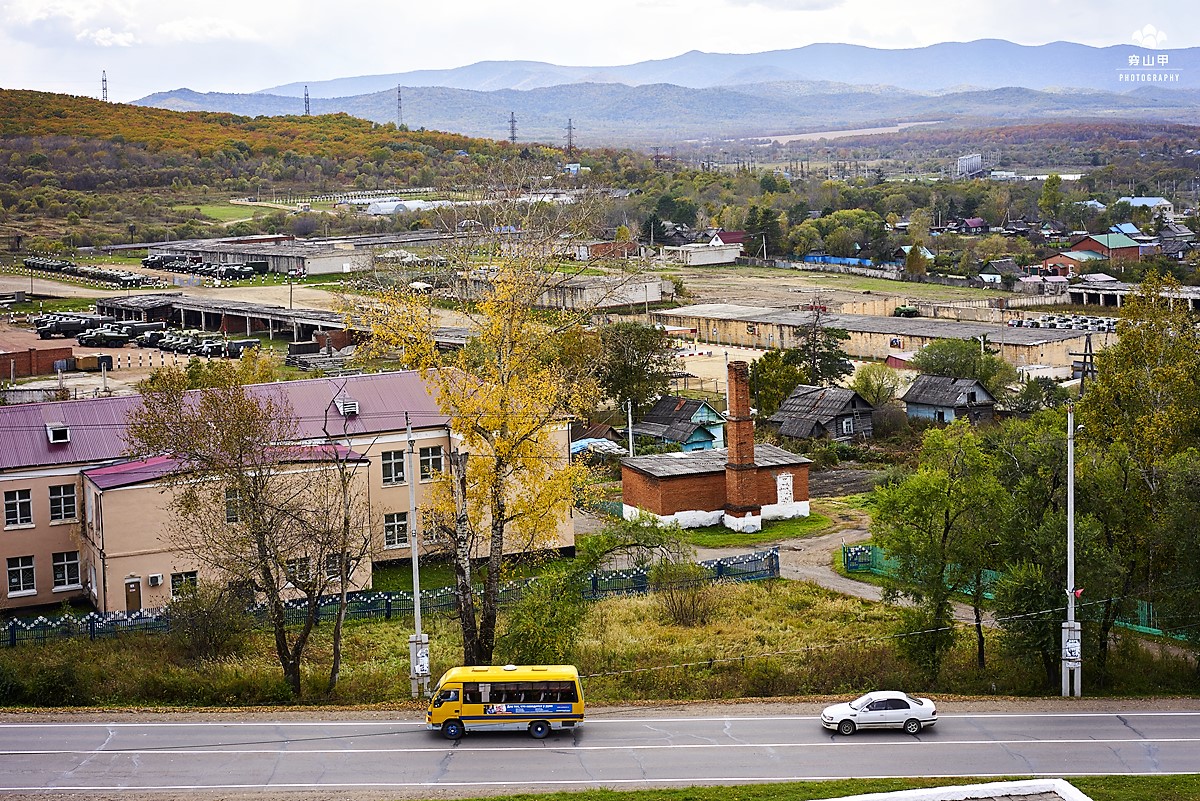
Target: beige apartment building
point(82, 521)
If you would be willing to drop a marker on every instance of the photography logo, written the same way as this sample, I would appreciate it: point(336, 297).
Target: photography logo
point(1148, 66)
point(1149, 37)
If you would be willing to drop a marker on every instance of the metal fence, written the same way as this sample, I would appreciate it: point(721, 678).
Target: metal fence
point(869, 559)
point(375, 605)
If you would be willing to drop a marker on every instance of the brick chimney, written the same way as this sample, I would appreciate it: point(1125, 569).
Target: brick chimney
point(742, 511)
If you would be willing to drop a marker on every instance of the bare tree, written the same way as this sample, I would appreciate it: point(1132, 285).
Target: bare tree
point(250, 505)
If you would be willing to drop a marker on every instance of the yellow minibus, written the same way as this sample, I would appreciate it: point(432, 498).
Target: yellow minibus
point(534, 698)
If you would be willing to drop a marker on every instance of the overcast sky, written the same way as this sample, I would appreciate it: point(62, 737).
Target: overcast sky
point(148, 46)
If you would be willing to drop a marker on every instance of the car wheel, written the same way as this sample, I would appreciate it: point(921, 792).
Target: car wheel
point(912, 726)
point(846, 728)
point(539, 729)
point(452, 730)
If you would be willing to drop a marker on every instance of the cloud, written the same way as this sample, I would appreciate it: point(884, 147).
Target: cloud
point(205, 29)
point(107, 37)
point(791, 5)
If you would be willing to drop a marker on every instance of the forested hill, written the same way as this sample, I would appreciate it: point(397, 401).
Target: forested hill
point(27, 114)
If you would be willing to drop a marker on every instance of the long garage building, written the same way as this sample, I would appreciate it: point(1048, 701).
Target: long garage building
point(873, 337)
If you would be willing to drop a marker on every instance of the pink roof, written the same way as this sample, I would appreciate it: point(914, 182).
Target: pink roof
point(132, 472)
point(137, 471)
point(97, 425)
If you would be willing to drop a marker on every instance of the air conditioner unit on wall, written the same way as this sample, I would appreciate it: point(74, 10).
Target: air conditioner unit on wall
point(155, 579)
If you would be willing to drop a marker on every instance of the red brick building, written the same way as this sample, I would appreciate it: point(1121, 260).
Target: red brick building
point(1116, 247)
point(738, 486)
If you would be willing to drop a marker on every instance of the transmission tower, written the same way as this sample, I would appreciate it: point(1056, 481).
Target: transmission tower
point(657, 157)
point(399, 108)
point(103, 86)
point(306, 113)
point(570, 137)
point(512, 127)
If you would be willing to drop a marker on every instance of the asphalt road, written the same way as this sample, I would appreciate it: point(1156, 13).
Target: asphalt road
point(393, 758)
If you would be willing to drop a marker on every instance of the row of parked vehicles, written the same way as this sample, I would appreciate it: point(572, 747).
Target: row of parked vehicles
point(107, 275)
point(226, 272)
point(102, 331)
point(1076, 322)
point(197, 343)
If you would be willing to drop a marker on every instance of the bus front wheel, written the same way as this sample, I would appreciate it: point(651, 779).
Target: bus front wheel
point(539, 729)
point(452, 730)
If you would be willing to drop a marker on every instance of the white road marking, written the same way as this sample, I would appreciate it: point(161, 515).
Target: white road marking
point(184, 750)
point(590, 721)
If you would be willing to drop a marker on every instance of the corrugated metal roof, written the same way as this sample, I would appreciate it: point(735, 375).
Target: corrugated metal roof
point(671, 409)
point(821, 404)
point(138, 471)
point(856, 323)
point(97, 425)
point(690, 463)
point(937, 390)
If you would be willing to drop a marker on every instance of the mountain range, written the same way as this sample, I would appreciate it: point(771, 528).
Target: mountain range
point(718, 96)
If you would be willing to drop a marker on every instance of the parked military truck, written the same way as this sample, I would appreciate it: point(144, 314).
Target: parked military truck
point(67, 324)
point(103, 337)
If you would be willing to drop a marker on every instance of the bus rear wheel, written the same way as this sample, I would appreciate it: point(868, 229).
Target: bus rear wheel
point(539, 729)
point(452, 730)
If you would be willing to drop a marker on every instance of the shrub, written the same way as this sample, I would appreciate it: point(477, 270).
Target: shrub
point(683, 594)
point(208, 621)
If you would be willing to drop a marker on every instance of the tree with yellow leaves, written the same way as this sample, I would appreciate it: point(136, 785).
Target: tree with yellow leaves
point(508, 393)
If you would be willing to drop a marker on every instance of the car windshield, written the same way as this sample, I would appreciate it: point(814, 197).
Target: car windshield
point(859, 703)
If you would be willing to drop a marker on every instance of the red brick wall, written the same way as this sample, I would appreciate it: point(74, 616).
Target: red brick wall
point(764, 484)
point(707, 491)
point(667, 496)
point(31, 362)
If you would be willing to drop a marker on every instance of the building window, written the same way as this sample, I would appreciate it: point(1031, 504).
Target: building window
point(395, 530)
point(62, 502)
point(848, 425)
point(66, 569)
point(393, 467)
point(18, 508)
point(297, 571)
point(233, 505)
point(431, 462)
point(187, 578)
point(20, 575)
point(333, 566)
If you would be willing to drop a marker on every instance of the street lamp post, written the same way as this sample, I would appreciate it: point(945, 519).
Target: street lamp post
point(1072, 653)
point(418, 642)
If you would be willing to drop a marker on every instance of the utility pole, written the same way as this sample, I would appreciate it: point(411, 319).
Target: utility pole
point(629, 412)
point(1072, 639)
point(418, 643)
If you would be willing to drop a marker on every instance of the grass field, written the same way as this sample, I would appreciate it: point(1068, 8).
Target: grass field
point(721, 537)
point(1105, 788)
point(222, 212)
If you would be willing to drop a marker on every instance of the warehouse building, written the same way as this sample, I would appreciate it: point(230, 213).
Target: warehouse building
point(873, 337)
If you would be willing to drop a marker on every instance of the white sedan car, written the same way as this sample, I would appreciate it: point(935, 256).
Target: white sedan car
point(880, 710)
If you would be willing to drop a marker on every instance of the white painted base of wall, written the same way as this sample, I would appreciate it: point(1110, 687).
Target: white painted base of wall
point(785, 511)
point(686, 519)
point(743, 525)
